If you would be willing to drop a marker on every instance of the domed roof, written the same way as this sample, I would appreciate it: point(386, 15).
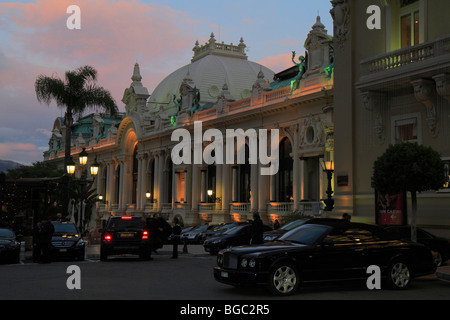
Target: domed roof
point(212, 66)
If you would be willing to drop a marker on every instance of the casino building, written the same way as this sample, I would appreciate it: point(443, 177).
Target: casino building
point(222, 89)
point(345, 101)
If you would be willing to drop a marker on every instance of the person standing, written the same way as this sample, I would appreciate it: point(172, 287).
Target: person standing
point(257, 230)
point(176, 238)
point(45, 240)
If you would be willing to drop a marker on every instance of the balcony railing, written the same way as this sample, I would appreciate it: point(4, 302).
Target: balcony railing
point(405, 56)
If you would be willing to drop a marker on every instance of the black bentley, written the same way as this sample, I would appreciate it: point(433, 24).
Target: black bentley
point(332, 250)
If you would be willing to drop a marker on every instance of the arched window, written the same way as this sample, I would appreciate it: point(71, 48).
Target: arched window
point(135, 175)
point(285, 173)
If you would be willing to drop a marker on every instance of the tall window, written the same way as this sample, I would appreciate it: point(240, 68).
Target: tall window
point(285, 173)
point(409, 23)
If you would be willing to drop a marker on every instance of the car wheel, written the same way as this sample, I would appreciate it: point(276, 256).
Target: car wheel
point(398, 275)
point(284, 279)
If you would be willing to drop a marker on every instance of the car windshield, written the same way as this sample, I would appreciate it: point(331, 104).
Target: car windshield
point(126, 224)
point(292, 225)
point(305, 234)
point(65, 228)
point(6, 234)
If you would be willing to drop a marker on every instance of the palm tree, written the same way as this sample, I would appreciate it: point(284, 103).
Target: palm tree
point(76, 94)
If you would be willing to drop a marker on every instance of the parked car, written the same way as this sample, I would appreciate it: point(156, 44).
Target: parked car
point(195, 235)
point(9, 246)
point(217, 230)
point(238, 235)
point(273, 234)
point(67, 241)
point(440, 246)
point(323, 252)
point(125, 235)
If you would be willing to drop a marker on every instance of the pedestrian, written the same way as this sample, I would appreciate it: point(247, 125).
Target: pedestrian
point(176, 231)
point(257, 229)
point(155, 229)
point(37, 249)
point(276, 224)
point(45, 240)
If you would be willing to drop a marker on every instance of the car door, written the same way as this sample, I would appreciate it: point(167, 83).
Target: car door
point(338, 256)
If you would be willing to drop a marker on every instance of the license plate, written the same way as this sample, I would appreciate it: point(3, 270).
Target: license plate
point(127, 235)
point(62, 250)
point(224, 274)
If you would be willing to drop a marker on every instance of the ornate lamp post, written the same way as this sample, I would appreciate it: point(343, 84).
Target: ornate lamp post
point(328, 168)
point(70, 168)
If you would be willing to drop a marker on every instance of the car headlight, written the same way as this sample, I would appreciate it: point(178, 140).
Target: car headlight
point(244, 263)
point(80, 243)
point(252, 263)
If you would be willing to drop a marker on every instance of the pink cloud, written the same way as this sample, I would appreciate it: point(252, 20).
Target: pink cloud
point(113, 36)
point(277, 63)
point(21, 152)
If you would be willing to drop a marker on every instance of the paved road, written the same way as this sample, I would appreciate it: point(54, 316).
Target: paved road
point(187, 278)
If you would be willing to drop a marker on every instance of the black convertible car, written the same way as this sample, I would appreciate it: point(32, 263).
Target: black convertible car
point(322, 252)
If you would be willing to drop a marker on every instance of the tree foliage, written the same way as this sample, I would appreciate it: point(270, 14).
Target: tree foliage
point(408, 167)
point(38, 169)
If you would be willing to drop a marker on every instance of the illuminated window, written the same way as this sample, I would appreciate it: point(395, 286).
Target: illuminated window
point(406, 128)
point(406, 26)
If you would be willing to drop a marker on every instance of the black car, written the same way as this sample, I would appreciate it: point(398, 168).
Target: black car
point(238, 235)
point(324, 252)
point(67, 242)
point(217, 230)
point(272, 235)
point(9, 246)
point(439, 245)
point(126, 235)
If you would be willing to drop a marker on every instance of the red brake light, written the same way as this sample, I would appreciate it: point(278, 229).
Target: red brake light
point(144, 235)
point(127, 218)
point(107, 237)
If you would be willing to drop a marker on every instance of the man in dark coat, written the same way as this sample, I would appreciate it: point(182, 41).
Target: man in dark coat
point(45, 240)
point(257, 230)
point(176, 238)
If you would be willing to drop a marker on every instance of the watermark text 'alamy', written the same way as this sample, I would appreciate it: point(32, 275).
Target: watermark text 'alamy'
point(214, 152)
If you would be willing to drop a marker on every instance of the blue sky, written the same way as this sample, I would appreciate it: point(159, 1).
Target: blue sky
point(158, 34)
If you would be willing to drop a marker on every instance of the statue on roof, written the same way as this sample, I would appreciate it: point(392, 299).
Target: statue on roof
point(195, 103)
point(178, 102)
point(301, 70)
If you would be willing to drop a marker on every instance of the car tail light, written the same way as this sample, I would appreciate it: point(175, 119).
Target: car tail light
point(107, 237)
point(127, 218)
point(145, 235)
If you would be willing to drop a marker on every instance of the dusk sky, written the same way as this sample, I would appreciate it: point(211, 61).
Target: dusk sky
point(159, 35)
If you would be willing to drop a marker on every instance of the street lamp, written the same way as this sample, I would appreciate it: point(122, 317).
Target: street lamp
point(83, 157)
point(94, 168)
point(148, 195)
point(70, 167)
point(328, 168)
